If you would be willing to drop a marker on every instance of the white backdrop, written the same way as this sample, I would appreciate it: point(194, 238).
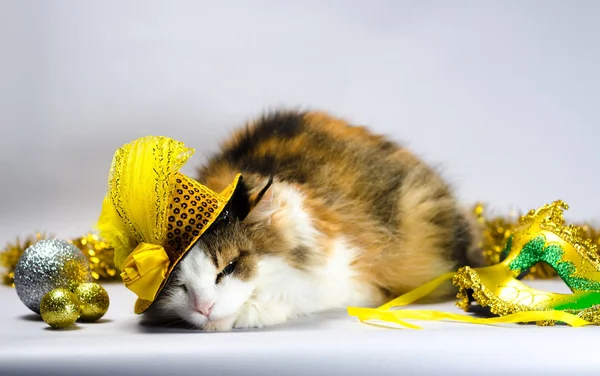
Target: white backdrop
point(504, 96)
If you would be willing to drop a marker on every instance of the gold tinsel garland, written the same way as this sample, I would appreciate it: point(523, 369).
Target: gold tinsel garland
point(496, 231)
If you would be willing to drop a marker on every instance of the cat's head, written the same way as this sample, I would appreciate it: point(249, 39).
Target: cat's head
point(217, 276)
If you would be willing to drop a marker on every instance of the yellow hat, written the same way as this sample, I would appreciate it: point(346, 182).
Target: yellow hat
point(153, 215)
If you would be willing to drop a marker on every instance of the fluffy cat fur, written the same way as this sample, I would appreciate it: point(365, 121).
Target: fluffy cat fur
point(330, 215)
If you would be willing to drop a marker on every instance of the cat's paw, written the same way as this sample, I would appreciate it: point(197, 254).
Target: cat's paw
point(257, 315)
point(222, 325)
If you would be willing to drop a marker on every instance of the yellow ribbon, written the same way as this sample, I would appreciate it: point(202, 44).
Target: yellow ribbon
point(385, 312)
point(145, 269)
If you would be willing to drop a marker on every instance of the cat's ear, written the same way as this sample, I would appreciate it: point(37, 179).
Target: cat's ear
point(239, 206)
point(262, 204)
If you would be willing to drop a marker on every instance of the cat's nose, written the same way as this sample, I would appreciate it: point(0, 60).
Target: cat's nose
point(205, 308)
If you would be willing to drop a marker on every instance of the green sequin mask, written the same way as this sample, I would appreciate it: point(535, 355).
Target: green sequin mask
point(542, 237)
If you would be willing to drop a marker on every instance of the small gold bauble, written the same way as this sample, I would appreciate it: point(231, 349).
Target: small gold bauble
point(59, 308)
point(93, 300)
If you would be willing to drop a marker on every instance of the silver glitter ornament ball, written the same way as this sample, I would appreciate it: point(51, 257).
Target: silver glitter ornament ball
point(47, 265)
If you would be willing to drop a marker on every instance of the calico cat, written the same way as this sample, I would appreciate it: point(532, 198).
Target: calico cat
point(338, 216)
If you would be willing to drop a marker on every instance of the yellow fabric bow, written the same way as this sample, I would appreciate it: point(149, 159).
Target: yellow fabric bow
point(145, 269)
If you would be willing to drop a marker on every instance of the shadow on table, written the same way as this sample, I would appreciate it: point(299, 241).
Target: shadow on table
point(38, 318)
point(314, 322)
point(31, 317)
point(177, 327)
point(99, 321)
point(71, 328)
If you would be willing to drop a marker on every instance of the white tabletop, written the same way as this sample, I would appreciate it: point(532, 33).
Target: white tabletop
point(331, 343)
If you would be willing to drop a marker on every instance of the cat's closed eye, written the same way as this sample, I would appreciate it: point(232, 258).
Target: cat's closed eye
point(183, 287)
point(230, 268)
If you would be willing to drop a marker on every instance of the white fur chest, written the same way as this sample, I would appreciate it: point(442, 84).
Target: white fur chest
point(297, 292)
point(283, 292)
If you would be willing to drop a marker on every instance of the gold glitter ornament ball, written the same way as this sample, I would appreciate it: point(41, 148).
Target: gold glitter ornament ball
point(93, 301)
point(60, 308)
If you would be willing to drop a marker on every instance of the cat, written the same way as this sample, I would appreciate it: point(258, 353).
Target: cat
point(331, 216)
